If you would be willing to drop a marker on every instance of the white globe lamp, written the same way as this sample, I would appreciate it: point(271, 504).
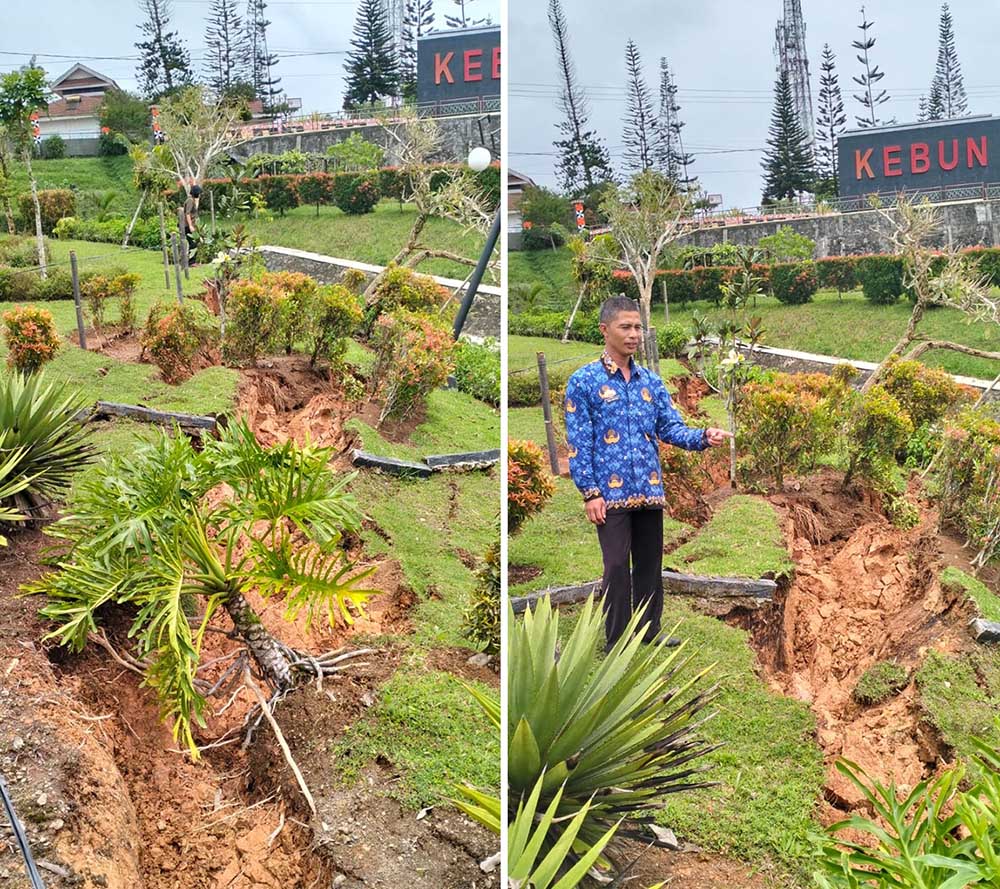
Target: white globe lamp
point(479, 158)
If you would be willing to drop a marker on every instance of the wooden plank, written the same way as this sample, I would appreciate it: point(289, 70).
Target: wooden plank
point(472, 460)
point(390, 464)
point(985, 630)
point(105, 409)
point(674, 584)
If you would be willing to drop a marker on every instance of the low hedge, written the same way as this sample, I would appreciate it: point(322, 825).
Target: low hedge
point(21, 285)
point(794, 283)
point(477, 371)
point(146, 232)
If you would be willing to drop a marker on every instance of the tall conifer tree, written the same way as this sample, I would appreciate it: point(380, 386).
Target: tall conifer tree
point(418, 19)
point(871, 97)
point(262, 62)
point(788, 163)
point(948, 98)
point(639, 132)
point(164, 63)
point(227, 57)
point(371, 66)
point(464, 18)
point(668, 149)
point(830, 121)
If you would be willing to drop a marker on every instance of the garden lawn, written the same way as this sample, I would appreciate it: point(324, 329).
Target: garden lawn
point(84, 176)
point(373, 237)
point(849, 327)
point(987, 602)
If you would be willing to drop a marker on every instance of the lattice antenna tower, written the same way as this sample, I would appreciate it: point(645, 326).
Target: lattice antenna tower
point(790, 55)
point(395, 11)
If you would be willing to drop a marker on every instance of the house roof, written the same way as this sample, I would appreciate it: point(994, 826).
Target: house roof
point(80, 71)
point(515, 178)
point(86, 107)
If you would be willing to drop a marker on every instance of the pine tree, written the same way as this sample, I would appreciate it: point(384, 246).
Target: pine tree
point(464, 19)
point(640, 125)
point(922, 109)
point(227, 57)
point(951, 100)
point(164, 62)
point(788, 163)
point(668, 148)
point(869, 98)
point(584, 160)
point(371, 66)
point(265, 84)
point(418, 19)
point(830, 122)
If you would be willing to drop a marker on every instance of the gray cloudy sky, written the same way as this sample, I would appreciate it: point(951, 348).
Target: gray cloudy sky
point(77, 28)
point(722, 55)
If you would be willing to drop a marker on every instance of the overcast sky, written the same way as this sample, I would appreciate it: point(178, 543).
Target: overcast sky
point(722, 55)
point(76, 28)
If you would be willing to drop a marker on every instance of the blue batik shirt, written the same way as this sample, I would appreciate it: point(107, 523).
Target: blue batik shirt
point(612, 427)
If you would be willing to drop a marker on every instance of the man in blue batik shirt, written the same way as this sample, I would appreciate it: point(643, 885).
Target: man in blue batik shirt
point(615, 412)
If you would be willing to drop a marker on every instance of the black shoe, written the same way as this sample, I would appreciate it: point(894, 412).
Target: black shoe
point(672, 641)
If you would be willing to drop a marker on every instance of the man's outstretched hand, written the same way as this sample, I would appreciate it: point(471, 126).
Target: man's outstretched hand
point(597, 510)
point(715, 437)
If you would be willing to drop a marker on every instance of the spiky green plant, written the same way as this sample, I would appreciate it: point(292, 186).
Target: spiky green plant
point(617, 736)
point(41, 442)
point(176, 532)
point(936, 837)
point(10, 487)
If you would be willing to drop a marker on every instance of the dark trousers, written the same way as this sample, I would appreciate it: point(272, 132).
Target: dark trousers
point(632, 547)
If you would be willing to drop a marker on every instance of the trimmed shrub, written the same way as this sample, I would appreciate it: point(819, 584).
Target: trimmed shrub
point(394, 183)
point(58, 285)
point(334, 315)
point(296, 292)
point(837, 273)
point(987, 261)
point(529, 485)
point(30, 334)
point(794, 283)
point(17, 285)
point(787, 245)
point(254, 320)
point(53, 148)
point(109, 146)
point(477, 371)
point(316, 188)
point(22, 252)
point(145, 234)
point(98, 289)
point(403, 288)
point(482, 619)
point(925, 393)
point(279, 192)
point(354, 280)
point(672, 340)
point(54, 203)
point(876, 427)
point(175, 334)
point(524, 388)
point(881, 278)
point(413, 356)
point(356, 195)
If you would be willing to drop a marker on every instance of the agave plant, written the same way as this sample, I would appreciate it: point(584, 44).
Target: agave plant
point(42, 443)
point(176, 532)
point(611, 740)
point(936, 837)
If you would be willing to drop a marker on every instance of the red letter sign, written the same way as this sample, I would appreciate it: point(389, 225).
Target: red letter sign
point(473, 65)
point(971, 148)
point(920, 157)
point(441, 67)
point(948, 165)
point(861, 163)
point(496, 62)
point(891, 163)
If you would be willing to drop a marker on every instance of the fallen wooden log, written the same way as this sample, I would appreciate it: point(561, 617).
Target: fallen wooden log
point(103, 410)
point(674, 583)
point(472, 460)
point(391, 465)
point(985, 630)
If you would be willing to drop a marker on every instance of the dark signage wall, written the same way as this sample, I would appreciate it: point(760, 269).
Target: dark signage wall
point(460, 64)
point(926, 155)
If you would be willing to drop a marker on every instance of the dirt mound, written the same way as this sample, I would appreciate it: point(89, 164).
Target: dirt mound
point(863, 592)
point(694, 870)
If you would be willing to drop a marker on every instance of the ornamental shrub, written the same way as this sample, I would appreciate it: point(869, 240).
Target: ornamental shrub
point(672, 340)
point(354, 280)
point(925, 393)
point(482, 619)
point(316, 188)
point(477, 371)
point(881, 278)
point(524, 388)
point(403, 288)
point(794, 283)
point(334, 314)
point(97, 290)
point(875, 428)
point(529, 485)
point(413, 356)
point(22, 252)
point(278, 192)
point(175, 334)
point(296, 291)
point(837, 273)
point(54, 148)
point(254, 320)
point(54, 203)
point(145, 233)
point(30, 334)
point(787, 245)
point(355, 153)
point(356, 194)
point(17, 285)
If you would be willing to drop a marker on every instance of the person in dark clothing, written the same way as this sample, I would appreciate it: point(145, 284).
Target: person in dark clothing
point(615, 412)
point(191, 217)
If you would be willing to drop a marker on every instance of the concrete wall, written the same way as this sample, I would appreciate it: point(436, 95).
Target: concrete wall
point(962, 224)
point(484, 316)
point(458, 136)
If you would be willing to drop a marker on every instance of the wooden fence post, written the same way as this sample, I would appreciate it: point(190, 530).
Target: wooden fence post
point(182, 229)
point(550, 434)
point(163, 244)
point(76, 299)
point(177, 268)
point(654, 352)
point(211, 204)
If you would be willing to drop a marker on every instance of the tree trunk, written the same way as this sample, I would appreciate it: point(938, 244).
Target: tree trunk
point(131, 225)
point(8, 209)
point(40, 238)
point(263, 646)
point(911, 331)
point(572, 315)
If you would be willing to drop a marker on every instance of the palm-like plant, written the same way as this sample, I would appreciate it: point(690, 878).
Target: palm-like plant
point(171, 530)
point(42, 443)
point(611, 740)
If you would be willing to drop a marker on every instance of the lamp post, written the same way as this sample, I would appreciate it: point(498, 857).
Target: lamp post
point(479, 159)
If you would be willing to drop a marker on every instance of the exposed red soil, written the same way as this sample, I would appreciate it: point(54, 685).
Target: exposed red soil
point(696, 870)
point(863, 591)
point(522, 573)
point(456, 661)
point(691, 389)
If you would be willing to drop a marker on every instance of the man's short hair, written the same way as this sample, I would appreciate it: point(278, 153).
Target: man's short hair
point(196, 191)
point(615, 305)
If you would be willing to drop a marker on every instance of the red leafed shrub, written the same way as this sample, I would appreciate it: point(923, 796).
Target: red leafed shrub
point(838, 273)
point(30, 334)
point(413, 356)
point(529, 486)
point(175, 335)
point(54, 203)
point(794, 283)
point(356, 195)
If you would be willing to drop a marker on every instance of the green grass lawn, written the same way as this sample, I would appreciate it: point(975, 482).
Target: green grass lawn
point(83, 175)
point(849, 327)
point(373, 238)
point(987, 602)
